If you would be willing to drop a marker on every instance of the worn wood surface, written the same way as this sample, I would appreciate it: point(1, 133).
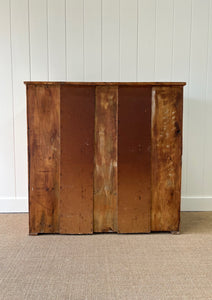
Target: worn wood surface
point(105, 175)
point(43, 113)
point(77, 159)
point(167, 106)
point(134, 159)
point(79, 134)
point(106, 83)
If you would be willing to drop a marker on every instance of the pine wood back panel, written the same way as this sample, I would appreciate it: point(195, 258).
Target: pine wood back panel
point(134, 159)
point(77, 156)
point(167, 108)
point(105, 161)
point(104, 157)
point(43, 114)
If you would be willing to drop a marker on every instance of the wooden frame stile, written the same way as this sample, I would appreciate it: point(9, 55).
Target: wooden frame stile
point(167, 112)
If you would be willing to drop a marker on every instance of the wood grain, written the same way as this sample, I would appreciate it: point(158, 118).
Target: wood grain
point(106, 83)
point(77, 159)
point(43, 107)
point(134, 159)
point(167, 106)
point(105, 174)
point(73, 159)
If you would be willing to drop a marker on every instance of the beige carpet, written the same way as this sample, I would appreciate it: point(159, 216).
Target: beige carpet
point(106, 266)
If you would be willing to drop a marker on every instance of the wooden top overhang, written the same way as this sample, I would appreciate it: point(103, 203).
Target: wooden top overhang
point(105, 83)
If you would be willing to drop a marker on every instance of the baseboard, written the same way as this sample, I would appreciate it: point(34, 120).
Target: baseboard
point(20, 204)
point(196, 203)
point(13, 204)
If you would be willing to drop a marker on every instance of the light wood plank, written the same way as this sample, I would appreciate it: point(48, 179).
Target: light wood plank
point(105, 172)
point(43, 114)
point(167, 106)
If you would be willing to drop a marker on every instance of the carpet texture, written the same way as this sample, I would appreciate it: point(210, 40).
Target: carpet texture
point(106, 266)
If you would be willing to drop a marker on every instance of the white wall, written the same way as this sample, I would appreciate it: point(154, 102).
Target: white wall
point(108, 40)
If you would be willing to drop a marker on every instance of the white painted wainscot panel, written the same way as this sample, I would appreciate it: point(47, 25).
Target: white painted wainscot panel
point(106, 40)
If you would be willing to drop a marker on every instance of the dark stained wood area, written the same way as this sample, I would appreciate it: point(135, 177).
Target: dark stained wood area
point(105, 175)
point(43, 113)
point(77, 159)
point(134, 159)
point(167, 106)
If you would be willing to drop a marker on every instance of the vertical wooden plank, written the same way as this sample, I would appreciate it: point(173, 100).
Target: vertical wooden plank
point(110, 40)
point(43, 113)
point(105, 172)
point(92, 40)
point(167, 106)
point(56, 40)
point(7, 173)
point(20, 72)
point(164, 38)
point(77, 159)
point(197, 89)
point(38, 40)
point(134, 159)
point(146, 39)
point(128, 40)
point(180, 69)
point(74, 37)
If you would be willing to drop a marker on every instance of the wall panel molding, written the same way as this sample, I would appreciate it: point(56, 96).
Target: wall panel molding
point(108, 40)
point(13, 204)
point(190, 203)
